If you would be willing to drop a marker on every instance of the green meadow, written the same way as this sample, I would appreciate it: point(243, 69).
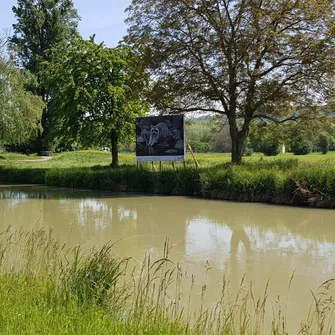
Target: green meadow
point(89, 158)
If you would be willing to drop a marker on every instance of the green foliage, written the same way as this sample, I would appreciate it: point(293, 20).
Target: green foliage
point(9, 156)
point(48, 292)
point(92, 279)
point(301, 146)
point(56, 18)
point(248, 151)
point(198, 146)
point(324, 142)
point(95, 93)
point(200, 131)
point(206, 136)
point(270, 149)
point(22, 176)
point(220, 139)
point(42, 25)
point(240, 183)
point(285, 181)
point(265, 138)
point(20, 110)
point(199, 57)
point(199, 134)
point(43, 292)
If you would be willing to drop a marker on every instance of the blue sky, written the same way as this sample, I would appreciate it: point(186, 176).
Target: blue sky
point(101, 17)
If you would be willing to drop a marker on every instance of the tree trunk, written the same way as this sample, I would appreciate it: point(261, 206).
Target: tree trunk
point(237, 150)
point(39, 143)
point(41, 136)
point(115, 152)
point(237, 143)
point(238, 138)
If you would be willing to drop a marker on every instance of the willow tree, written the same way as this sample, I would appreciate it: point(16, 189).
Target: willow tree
point(243, 59)
point(20, 110)
point(96, 92)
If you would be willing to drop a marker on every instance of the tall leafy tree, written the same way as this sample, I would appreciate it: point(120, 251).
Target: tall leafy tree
point(20, 110)
point(96, 92)
point(42, 25)
point(243, 59)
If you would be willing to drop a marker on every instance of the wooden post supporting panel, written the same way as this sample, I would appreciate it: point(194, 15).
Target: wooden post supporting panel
point(192, 153)
point(153, 166)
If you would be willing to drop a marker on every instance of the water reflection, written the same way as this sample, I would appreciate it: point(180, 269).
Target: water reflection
point(264, 242)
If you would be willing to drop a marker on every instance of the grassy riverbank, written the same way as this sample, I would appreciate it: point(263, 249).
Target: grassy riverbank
point(307, 181)
point(46, 288)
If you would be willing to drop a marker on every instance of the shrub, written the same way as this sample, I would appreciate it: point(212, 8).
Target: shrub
point(302, 147)
point(198, 146)
point(248, 151)
point(270, 149)
point(324, 143)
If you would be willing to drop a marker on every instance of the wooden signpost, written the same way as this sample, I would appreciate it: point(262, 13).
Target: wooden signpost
point(192, 153)
point(172, 162)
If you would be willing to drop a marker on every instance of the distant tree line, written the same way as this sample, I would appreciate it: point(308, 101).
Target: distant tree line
point(269, 139)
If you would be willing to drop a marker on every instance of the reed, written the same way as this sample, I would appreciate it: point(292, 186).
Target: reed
point(283, 181)
point(46, 287)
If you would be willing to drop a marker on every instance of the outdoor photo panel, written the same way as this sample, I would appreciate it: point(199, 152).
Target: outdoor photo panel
point(160, 138)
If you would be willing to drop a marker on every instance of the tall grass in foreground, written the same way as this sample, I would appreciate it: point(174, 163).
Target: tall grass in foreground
point(47, 288)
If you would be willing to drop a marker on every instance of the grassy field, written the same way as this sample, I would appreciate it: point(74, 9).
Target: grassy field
point(16, 157)
point(284, 179)
point(92, 158)
point(47, 288)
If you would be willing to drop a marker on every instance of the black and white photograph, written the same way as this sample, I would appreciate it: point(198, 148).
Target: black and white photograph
point(160, 138)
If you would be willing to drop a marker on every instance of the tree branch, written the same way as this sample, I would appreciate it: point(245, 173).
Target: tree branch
point(273, 119)
point(195, 109)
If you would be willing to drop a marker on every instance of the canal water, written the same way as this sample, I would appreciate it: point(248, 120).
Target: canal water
point(209, 239)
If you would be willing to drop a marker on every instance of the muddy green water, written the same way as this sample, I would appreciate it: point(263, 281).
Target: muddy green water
point(263, 242)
